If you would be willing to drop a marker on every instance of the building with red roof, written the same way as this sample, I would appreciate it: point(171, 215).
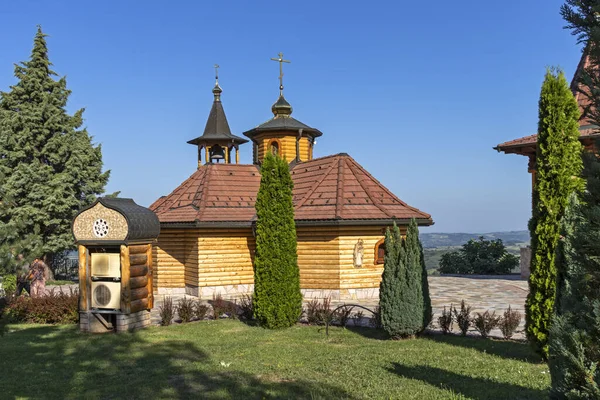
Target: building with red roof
point(206, 244)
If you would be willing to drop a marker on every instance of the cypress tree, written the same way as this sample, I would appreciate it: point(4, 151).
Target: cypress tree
point(400, 291)
point(558, 167)
point(49, 167)
point(574, 354)
point(427, 310)
point(277, 298)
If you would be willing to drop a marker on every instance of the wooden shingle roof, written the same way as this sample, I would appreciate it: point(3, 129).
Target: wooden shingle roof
point(328, 190)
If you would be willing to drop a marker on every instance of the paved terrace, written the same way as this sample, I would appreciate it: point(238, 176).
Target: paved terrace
point(494, 293)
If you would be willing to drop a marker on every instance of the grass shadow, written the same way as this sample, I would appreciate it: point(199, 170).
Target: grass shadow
point(509, 349)
point(60, 362)
point(470, 387)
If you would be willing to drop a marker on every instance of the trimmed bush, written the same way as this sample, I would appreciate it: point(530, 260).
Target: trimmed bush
point(56, 307)
point(277, 300)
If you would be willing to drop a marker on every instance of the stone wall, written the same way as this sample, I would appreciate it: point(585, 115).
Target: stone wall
point(525, 262)
point(92, 322)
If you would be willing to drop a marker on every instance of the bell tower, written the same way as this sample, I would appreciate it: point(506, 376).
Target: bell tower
point(217, 142)
point(282, 134)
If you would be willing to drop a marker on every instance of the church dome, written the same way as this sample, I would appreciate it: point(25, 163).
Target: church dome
point(281, 107)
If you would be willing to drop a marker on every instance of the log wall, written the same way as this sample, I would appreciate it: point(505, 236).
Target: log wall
point(287, 145)
point(175, 249)
point(318, 257)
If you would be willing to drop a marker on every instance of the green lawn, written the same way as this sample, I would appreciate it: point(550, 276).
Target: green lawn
point(228, 359)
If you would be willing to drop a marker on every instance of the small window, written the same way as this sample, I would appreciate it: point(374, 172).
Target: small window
point(380, 252)
point(274, 147)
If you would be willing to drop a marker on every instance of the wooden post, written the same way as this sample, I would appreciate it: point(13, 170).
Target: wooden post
point(226, 155)
point(206, 156)
point(237, 155)
point(125, 284)
point(199, 157)
point(150, 280)
point(83, 279)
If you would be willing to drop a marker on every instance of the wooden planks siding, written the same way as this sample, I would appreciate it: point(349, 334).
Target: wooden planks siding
point(225, 257)
point(318, 257)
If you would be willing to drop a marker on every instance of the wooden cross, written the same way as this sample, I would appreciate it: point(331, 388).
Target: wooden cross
point(217, 72)
point(281, 61)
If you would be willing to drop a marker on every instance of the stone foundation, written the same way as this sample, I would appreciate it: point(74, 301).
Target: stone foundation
point(237, 291)
point(103, 323)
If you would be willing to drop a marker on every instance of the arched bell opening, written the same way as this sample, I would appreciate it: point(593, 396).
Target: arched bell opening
point(216, 154)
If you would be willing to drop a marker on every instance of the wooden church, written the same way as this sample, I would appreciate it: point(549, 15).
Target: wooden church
point(206, 243)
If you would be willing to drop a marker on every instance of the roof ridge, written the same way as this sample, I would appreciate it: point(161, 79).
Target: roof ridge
point(339, 201)
point(185, 184)
point(386, 189)
point(204, 193)
point(375, 202)
point(314, 186)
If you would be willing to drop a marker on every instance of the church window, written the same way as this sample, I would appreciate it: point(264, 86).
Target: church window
point(380, 252)
point(274, 146)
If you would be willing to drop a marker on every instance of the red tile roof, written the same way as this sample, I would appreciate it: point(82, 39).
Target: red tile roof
point(526, 145)
point(333, 188)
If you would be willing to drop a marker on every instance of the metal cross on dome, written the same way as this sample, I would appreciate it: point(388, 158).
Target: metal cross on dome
point(280, 60)
point(217, 72)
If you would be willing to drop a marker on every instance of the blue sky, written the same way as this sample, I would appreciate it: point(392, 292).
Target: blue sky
point(417, 92)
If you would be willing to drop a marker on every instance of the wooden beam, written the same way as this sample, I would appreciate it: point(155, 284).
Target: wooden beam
point(150, 284)
point(125, 282)
point(83, 279)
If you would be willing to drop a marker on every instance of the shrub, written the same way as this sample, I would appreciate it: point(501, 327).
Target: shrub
point(9, 284)
point(312, 312)
point(463, 318)
point(185, 309)
point(343, 315)
point(445, 320)
point(166, 311)
point(200, 310)
point(324, 312)
point(247, 312)
point(484, 323)
point(509, 323)
point(219, 306)
point(53, 308)
point(231, 309)
point(357, 317)
point(375, 321)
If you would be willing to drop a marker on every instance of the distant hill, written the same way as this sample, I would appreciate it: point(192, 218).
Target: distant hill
point(434, 240)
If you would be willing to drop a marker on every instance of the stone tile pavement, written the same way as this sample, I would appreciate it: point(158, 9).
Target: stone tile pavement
point(494, 293)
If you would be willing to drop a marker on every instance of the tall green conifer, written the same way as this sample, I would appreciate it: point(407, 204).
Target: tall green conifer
point(558, 167)
point(574, 355)
point(277, 298)
point(401, 290)
point(49, 167)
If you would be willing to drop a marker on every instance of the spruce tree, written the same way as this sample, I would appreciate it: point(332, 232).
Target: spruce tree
point(277, 298)
point(401, 292)
point(49, 167)
point(574, 354)
point(558, 167)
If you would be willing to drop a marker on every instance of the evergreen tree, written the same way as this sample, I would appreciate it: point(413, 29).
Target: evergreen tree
point(401, 290)
point(574, 354)
point(49, 167)
point(427, 310)
point(277, 298)
point(558, 167)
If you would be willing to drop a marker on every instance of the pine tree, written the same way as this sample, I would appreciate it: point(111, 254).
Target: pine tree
point(49, 167)
point(558, 167)
point(574, 354)
point(277, 298)
point(401, 292)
